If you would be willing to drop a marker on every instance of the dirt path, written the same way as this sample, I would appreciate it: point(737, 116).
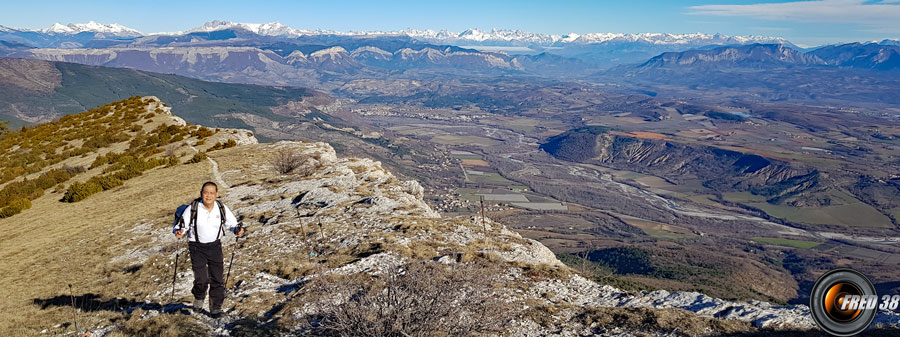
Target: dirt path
point(215, 170)
point(217, 174)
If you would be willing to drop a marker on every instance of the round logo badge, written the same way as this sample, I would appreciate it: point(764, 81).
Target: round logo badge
point(843, 302)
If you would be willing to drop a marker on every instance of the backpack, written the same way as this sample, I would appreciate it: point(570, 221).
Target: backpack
point(179, 220)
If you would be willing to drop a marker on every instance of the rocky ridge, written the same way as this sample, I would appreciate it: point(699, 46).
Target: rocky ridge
point(348, 216)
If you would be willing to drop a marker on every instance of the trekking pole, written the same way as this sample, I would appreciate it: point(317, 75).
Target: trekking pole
point(482, 214)
point(75, 312)
point(231, 263)
point(175, 275)
point(303, 231)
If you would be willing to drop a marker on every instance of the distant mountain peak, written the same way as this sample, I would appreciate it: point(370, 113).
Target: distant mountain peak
point(265, 29)
point(92, 26)
point(59, 28)
point(331, 51)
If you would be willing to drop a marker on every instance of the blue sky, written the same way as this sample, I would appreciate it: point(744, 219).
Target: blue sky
point(805, 22)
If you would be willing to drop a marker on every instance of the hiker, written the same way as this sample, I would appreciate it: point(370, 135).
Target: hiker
point(206, 219)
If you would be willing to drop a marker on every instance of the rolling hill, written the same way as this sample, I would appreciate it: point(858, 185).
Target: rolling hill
point(38, 91)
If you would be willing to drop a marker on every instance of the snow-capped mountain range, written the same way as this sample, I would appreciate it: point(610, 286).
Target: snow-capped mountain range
point(500, 37)
point(348, 52)
point(265, 29)
point(521, 38)
point(113, 29)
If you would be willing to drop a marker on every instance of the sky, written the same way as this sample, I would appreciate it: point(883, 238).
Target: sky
point(806, 23)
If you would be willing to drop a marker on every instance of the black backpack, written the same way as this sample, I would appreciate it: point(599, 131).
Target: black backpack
point(179, 220)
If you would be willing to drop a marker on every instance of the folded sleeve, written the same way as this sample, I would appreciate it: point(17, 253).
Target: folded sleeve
point(230, 220)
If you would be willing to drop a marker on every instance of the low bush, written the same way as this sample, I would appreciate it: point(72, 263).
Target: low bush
point(79, 191)
point(200, 156)
point(428, 297)
point(106, 182)
point(220, 146)
point(15, 207)
point(203, 132)
point(286, 160)
point(164, 325)
point(171, 161)
point(32, 189)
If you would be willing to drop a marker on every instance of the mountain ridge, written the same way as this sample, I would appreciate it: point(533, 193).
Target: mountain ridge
point(754, 55)
point(875, 56)
point(53, 89)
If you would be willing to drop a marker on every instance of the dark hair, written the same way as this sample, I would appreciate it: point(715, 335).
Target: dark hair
point(207, 184)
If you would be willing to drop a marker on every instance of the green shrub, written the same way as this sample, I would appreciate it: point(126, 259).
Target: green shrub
point(106, 182)
point(200, 156)
point(15, 207)
point(32, 189)
point(105, 159)
point(128, 172)
point(52, 177)
point(171, 161)
point(4, 128)
point(79, 191)
point(105, 139)
point(219, 146)
point(12, 173)
point(203, 132)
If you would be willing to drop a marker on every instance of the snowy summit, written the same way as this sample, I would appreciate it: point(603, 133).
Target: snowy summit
point(94, 27)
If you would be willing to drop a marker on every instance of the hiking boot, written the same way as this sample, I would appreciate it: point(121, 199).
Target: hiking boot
point(215, 312)
point(198, 306)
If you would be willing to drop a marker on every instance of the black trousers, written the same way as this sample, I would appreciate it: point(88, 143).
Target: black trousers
point(208, 265)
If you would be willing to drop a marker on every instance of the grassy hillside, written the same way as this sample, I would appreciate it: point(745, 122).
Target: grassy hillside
point(100, 148)
point(73, 243)
point(76, 175)
point(47, 90)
